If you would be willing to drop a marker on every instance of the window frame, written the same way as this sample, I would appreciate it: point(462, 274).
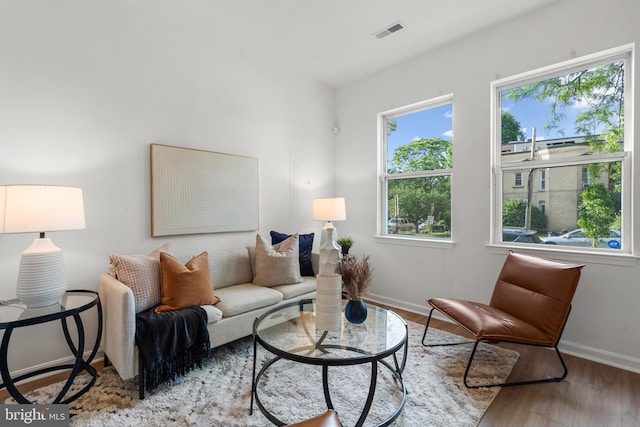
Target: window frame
point(383, 177)
point(542, 205)
point(626, 53)
point(542, 180)
point(584, 173)
point(517, 180)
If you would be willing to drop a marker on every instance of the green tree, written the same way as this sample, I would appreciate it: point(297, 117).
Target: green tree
point(418, 195)
point(514, 212)
point(421, 155)
point(511, 129)
point(597, 212)
point(600, 88)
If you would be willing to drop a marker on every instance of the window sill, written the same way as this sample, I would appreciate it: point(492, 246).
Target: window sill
point(565, 254)
point(414, 241)
point(569, 254)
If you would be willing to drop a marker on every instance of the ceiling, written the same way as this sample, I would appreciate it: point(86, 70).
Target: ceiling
point(333, 41)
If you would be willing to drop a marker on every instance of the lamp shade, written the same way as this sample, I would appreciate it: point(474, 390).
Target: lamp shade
point(40, 208)
point(3, 194)
point(329, 209)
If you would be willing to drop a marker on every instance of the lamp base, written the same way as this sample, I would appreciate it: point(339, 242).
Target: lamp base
point(329, 250)
point(41, 277)
point(328, 302)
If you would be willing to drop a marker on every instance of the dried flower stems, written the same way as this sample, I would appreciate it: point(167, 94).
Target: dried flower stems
point(356, 275)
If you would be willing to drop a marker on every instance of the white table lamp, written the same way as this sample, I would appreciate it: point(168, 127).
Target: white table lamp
point(38, 209)
point(329, 210)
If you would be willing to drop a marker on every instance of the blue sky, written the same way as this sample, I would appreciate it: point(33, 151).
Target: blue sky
point(437, 122)
point(532, 114)
point(431, 123)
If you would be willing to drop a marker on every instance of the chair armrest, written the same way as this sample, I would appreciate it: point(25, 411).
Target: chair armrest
point(119, 321)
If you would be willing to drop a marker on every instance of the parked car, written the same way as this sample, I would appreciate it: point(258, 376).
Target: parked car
point(520, 235)
point(401, 224)
point(578, 238)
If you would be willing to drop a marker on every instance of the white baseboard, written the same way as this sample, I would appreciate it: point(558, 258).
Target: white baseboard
point(601, 356)
point(589, 353)
point(414, 308)
point(64, 361)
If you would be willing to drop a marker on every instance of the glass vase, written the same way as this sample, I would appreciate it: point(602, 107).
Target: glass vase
point(355, 311)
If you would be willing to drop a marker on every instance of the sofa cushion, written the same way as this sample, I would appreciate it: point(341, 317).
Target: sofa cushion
point(245, 297)
point(230, 268)
point(296, 289)
point(184, 285)
point(141, 273)
point(155, 253)
point(277, 264)
point(305, 245)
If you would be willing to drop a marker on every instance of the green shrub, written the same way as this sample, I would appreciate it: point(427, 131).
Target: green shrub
point(513, 215)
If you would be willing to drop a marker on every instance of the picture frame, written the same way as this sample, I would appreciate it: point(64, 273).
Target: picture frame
point(195, 191)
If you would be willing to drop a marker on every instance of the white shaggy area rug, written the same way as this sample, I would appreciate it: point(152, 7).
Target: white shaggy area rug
point(219, 393)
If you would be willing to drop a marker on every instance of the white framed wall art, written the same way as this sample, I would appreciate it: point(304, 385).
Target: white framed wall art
point(196, 191)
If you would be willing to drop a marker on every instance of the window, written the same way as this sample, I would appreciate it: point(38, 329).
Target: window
point(415, 170)
point(585, 177)
point(517, 179)
point(569, 137)
point(541, 206)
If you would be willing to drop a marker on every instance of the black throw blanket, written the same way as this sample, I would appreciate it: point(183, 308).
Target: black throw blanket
point(171, 343)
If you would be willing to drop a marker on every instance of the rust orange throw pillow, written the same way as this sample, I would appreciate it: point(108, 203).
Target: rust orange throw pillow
point(185, 285)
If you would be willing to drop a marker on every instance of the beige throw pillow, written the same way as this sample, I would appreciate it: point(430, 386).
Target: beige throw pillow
point(184, 285)
point(277, 264)
point(142, 274)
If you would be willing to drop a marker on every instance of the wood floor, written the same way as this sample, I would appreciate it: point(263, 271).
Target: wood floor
point(592, 395)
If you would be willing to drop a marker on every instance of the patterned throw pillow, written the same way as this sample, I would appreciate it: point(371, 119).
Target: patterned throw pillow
point(305, 246)
point(142, 274)
point(184, 285)
point(277, 264)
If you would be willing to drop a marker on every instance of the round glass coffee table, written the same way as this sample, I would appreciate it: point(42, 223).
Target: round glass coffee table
point(289, 332)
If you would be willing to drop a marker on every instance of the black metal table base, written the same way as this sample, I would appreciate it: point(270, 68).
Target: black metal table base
point(396, 370)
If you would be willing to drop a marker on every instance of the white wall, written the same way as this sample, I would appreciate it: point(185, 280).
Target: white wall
point(605, 312)
point(87, 86)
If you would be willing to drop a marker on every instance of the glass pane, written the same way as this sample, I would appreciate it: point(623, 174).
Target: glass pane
point(582, 111)
point(420, 141)
point(567, 211)
point(420, 207)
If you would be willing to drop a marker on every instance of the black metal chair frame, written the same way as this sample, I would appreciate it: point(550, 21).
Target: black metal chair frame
point(505, 384)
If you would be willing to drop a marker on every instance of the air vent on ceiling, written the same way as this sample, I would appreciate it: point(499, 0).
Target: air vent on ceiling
point(389, 30)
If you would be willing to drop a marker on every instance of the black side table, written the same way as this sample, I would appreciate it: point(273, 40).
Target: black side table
point(14, 314)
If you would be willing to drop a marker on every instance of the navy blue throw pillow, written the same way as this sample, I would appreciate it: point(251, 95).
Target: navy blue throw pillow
point(305, 244)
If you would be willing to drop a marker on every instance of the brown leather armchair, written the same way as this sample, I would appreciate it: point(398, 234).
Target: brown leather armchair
point(328, 419)
point(530, 305)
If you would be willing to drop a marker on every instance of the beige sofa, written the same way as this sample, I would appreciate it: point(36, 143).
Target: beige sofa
point(232, 318)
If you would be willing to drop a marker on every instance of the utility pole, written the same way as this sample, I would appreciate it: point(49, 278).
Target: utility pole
point(527, 214)
point(397, 207)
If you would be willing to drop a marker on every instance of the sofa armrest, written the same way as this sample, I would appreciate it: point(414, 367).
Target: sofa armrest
point(315, 262)
point(119, 321)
